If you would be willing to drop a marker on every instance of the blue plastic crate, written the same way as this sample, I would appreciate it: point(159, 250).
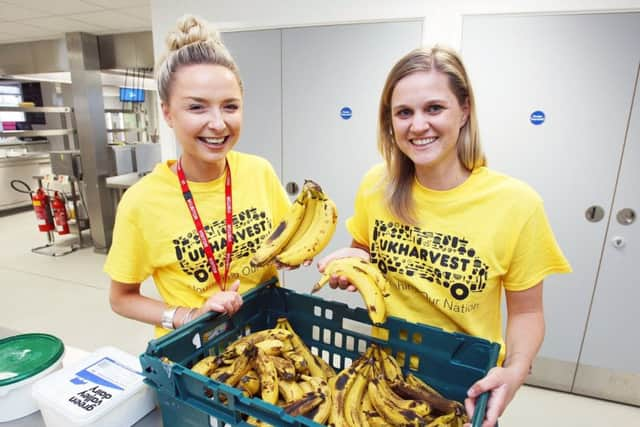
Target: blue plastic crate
point(449, 362)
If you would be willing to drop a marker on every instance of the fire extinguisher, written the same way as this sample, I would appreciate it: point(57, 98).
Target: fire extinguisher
point(60, 217)
point(40, 202)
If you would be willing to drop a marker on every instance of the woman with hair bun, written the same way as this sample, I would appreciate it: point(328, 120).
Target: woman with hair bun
point(450, 234)
point(193, 224)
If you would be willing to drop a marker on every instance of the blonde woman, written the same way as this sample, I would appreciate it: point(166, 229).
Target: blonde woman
point(194, 223)
point(449, 233)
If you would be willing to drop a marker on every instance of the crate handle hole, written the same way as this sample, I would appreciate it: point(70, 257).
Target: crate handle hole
point(208, 392)
point(355, 326)
point(416, 338)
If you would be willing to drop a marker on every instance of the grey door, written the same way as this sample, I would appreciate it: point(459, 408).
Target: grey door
point(325, 70)
point(579, 70)
point(257, 54)
point(608, 365)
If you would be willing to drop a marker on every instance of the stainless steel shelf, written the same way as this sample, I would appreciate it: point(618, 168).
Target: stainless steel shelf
point(42, 132)
point(8, 144)
point(37, 109)
point(127, 130)
point(112, 110)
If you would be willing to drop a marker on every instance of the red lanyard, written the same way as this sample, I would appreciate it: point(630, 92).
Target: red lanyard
point(188, 197)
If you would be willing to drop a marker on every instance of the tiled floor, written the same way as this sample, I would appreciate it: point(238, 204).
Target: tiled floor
point(68, 297)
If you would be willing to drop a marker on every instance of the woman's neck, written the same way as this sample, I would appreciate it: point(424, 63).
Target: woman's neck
point(199, 171)
point(441, 177)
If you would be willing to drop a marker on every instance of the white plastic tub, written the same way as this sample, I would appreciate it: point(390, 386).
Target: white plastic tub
point(25, 359)
point(105, 389)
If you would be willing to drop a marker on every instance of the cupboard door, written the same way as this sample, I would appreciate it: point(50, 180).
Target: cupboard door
point(579, 70)
point(257, 54)
point(327, 70)
point(608, 365)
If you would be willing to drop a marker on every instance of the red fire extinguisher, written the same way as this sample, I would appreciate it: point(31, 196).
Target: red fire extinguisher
point(60, 217)
point(40, 202)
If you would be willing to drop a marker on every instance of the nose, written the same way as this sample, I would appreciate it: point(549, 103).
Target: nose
point(216, 121)
point(420, 123)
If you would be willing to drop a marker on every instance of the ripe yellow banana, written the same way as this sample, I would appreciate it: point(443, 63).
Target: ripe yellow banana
point(289, 390)
point(359, 264)
point(306, 386)
point(222, 373)
point(326, 368)
point(390, 367)
point(315, 238)
point(283, 232)
point(300, 347)
point(268, 378)
point(249, 384)
point(373, 271)
point(238, 346)
point(206, 366)
point(285, 368)
point(304, 405)
point(321, 413)
point(449, 420)
point(353, 398)
point(241, 365)
point(341, 385)
point(299, 362)
point(414, 388)
point(386, 407)
point(313, 204)
point(363, 282)
point(272, 347)
point(369, 417)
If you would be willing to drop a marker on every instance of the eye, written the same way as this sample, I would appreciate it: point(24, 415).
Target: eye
point(403, 113)
point(195, 107)
point(232, 107)
point(435, 108)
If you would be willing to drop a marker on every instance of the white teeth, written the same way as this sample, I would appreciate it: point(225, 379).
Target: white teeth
point(423, 141)
point(213, 140)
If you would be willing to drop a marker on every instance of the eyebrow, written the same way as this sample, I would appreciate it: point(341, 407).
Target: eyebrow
point(429, 102)
point(204, 100)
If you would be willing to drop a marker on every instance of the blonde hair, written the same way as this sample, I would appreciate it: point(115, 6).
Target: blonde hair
point(192, 42)
point(400, 168)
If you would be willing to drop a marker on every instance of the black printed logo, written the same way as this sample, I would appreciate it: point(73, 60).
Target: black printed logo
point(444, 260)
point(250, 227)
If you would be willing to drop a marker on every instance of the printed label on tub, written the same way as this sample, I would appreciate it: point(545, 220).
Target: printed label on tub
point(101, 382)
point(108, 373)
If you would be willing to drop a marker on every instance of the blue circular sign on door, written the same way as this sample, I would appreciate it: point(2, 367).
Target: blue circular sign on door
point(346, 113)
point(537, 118)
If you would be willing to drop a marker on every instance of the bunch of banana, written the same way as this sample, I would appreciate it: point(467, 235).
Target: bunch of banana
point(367, 279)
point(373, 392)
point(303, 233)
point(276, 366)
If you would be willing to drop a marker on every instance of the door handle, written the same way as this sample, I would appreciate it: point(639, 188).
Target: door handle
point(292, 188)
point(626, 216)
point(594, 213)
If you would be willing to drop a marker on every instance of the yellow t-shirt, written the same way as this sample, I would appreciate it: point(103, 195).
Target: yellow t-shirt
point(448, 270)
point(154, 233)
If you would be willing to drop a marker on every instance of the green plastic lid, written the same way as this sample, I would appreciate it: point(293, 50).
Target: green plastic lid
point(26, 355)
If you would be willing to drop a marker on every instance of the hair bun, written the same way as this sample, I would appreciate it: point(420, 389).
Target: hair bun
point(190, 30)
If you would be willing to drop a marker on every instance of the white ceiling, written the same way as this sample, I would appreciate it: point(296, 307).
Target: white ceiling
point(27, 20)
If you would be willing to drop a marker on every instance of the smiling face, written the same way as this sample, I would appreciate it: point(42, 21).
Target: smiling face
point(426, 118)
point(204, 110)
